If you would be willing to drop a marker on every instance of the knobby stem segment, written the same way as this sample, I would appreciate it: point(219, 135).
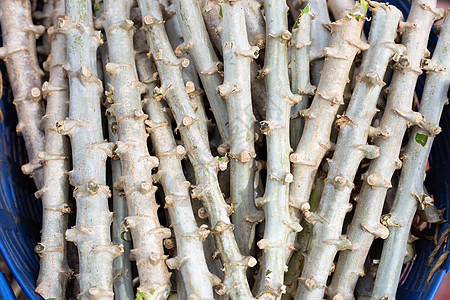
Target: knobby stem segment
point(19, 36)
point(198, 45)
point(136, 162)
point(54, 271)
point(197, 280)
point(238, 55)
point(278, 223)
point(315, 141)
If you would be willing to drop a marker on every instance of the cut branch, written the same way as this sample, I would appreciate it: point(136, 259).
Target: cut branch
point(19, 36)
point(278, 223)
point(315, 141)
point(54, 271)
point(190, 259)
point(238, 55)
point(204, 58)
point(89, 151)
point(352, 144)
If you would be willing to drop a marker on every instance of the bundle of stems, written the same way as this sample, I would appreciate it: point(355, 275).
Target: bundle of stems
point(91, 233)
point(212, 16)
point(365, 226)
point(415, 159)
point(352, 146)
point(344, 45)
point(205, 165)
point(137, 164)
point(198, 45)
point(190, 258)
point(238, 161)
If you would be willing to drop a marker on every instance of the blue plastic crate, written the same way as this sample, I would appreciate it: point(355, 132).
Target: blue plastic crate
point(20, 211)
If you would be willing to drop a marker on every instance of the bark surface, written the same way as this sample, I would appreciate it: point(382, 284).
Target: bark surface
point(238, 55)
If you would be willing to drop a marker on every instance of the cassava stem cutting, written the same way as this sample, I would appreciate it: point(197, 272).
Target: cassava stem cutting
point(137, 164)
point(19, 36)
point(91, 233)
point(54, 270)
point(365, 225)
point(275, 201)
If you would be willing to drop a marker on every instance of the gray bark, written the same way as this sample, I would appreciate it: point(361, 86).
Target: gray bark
point(278, 223)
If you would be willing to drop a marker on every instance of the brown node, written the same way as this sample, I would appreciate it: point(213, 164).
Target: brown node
point(169, 244)
point(185, 62)
point(35, 93)
point(190, 87)
point(85, 71)
point(187, 121)
point(343, 120)
point(149, 20)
